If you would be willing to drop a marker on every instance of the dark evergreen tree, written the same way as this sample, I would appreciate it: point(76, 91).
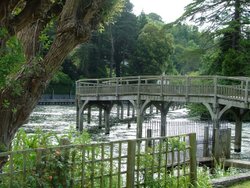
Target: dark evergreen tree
point(124, 33)
point(229, 21)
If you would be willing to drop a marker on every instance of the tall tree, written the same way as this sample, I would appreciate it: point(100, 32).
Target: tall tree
point(75, 20)
point(92, 58)
point(153, 49)
point(124, 33)
point(229, 21)
point(188, 48)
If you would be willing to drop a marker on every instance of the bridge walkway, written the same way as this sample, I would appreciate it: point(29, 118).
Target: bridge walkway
point(219, 94)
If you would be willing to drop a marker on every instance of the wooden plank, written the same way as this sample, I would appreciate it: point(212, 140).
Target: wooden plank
point(237, 163)
point(230, 180)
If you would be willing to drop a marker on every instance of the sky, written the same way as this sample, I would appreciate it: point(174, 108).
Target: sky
point(169, 10)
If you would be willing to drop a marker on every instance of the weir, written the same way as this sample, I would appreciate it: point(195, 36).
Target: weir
point(218, 94)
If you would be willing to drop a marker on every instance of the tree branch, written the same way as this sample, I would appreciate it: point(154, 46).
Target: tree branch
point(33, 11)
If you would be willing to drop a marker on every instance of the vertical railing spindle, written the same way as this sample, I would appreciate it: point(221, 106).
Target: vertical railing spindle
point(246, 92)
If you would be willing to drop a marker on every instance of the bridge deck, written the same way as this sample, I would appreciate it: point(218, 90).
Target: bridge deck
point(233, 91)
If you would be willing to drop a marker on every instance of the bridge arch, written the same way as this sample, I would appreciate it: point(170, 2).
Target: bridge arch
point(219, 94)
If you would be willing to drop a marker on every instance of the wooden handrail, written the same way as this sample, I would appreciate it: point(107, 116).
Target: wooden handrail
point(235, 87)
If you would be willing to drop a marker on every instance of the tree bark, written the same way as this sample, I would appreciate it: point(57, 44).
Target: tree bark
point(236, 25)
point(76, 20)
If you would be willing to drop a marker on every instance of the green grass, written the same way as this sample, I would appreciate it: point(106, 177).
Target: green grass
point(242, 185)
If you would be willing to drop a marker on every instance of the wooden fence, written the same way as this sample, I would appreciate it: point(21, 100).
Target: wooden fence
point(170, 161)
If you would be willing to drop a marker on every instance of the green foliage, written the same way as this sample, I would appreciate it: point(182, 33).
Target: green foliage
point(90, 59)
point(162, 177)
point(203, 178)
point(110, 10)
point(176, 144)
point(42, 139)
point(216, 15)
point(6, 103)
point(198, 110)
point(225, 22)
point(219, 170)
point(188, 48)
point(233, 60)
point(210, 63)
point(3, 32)
point(61, 78)
point(46, 36)
point(40, 164)
point(153, 49)
point(124, 33)
point(52, 169)
point(11, 58)
point(153, 17)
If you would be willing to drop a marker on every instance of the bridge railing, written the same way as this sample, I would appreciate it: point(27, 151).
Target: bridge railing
point(227, 87)
point(126, 163)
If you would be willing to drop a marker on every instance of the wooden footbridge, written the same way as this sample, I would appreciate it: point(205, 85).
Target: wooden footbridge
point(219, 94)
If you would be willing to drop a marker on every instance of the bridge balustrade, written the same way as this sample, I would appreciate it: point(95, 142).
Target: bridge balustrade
point(235, 88)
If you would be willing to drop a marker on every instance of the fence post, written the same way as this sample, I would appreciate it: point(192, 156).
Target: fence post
point(131, 164)
point(193, 162)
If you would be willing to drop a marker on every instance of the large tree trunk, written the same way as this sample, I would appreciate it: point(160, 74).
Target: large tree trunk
point(236, 25)
point(76, 20)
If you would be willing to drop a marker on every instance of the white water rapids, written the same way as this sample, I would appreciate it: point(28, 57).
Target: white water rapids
point(60, 119)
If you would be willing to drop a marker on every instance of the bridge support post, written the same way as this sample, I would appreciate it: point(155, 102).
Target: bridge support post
point(100, 118)
point(128, 114)
point(140, 109)
point(107, 106)
point(238, 135)
point(239, 115)
point(122, 111)
point(157, 111)
point(118, 111)
point(133, 112)
point(151, 109)
point(89, 114)
point(107, 125)
point(128, 110)
point(163, 107)
point(216, 111)
point(139, 121)
point(80, 107)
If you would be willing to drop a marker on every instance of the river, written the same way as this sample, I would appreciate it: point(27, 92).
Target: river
point(60, 119)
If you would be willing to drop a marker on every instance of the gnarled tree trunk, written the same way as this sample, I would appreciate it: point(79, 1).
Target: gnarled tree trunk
point(75, 21)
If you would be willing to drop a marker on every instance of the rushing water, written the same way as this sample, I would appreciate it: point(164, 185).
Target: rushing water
point(60, 119)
